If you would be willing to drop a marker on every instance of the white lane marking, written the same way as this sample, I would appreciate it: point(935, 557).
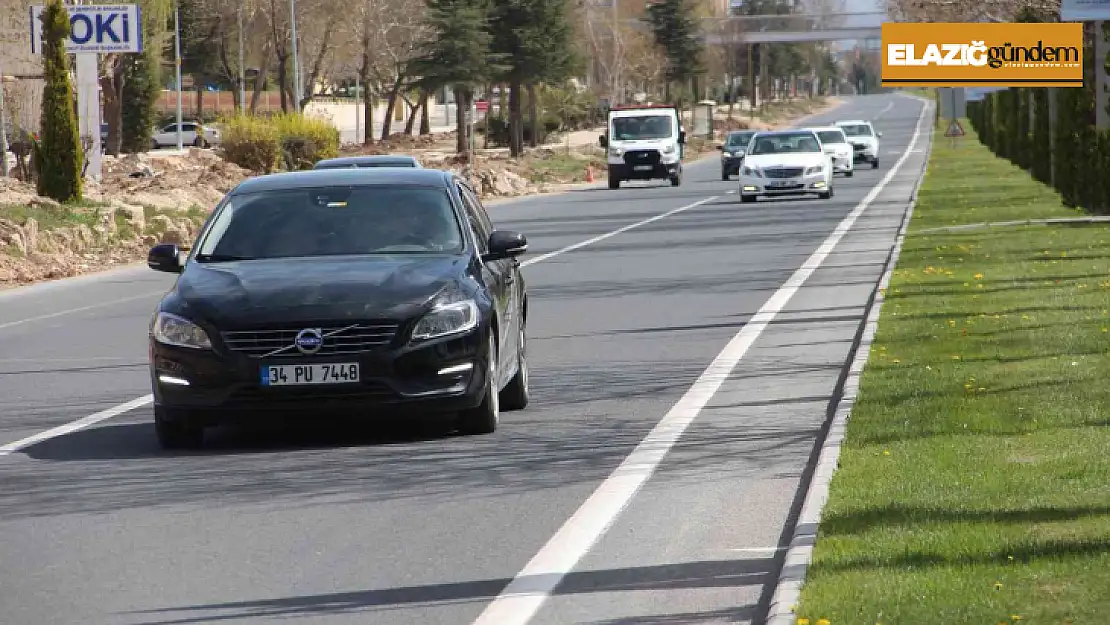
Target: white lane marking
point(69, 311)
point(888, 106)
point(139, 402)
point(602, 237)
point(74, 426)
point(522, 598)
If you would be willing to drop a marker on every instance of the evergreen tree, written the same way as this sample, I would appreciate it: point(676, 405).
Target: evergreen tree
point(536, 38)
point(141, 89)
point(458, 56)
point(58, 154)
point(677, 34)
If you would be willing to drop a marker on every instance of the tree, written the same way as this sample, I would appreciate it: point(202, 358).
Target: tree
point(534, 36)
point(58, 152)
point(677, 35)
point(457, 55)
point(142, 80)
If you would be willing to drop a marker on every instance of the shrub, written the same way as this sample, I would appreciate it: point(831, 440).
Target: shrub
point(305, 140)
point(252, 143)
point(57, 154)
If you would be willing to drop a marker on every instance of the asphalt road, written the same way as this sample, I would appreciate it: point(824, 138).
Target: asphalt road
point(331, 526)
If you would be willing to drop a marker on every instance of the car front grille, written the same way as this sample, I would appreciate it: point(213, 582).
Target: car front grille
point(642, 157)
point(859, 147)
point(783, 172)
point(350, 339)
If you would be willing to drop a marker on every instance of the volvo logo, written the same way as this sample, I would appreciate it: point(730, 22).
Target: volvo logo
point(309, 340)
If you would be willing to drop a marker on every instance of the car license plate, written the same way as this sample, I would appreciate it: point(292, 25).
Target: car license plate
point(297, 375)
point(779, 183)
point(642, 168)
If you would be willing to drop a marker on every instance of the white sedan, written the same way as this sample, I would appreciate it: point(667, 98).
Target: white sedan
point(837, 147)
point(786, 163)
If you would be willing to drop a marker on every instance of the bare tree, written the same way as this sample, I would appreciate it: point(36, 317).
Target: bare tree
point(395, 33)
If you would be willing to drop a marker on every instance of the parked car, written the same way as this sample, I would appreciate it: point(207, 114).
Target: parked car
point(192, 133)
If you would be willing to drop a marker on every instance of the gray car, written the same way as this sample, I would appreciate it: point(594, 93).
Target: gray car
point(732, 151)
point(373, 160)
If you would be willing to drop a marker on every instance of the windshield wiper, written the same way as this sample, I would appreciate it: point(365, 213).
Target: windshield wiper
point(220, 258)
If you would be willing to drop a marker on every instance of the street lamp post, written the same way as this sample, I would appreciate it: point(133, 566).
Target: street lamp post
point(177, 66)
point(242, 69)
point(297, 90)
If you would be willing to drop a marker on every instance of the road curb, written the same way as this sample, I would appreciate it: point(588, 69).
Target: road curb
point(788, 589)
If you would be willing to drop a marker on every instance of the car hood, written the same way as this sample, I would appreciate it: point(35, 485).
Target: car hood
point(868, 141)
point(287, 291)
point(763, 161)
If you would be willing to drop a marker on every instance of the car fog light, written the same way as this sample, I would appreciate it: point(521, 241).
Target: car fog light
point(175, 381)
point(456, 369)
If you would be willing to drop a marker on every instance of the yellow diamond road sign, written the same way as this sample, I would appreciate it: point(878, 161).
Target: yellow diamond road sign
point(954, 129)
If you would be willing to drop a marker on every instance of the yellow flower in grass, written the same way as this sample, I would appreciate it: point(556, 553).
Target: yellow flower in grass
point(823, 621)
point(802, 621)
point(978, 276)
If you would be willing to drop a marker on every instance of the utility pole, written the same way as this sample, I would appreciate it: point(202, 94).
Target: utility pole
point(297, 90)
point(177, 65)
point(618, 97)
point(242, 69)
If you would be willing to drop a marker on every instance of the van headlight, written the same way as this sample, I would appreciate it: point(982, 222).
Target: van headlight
point(668, 149)
point(615, 152)
point(446, 320)
point(177, 331)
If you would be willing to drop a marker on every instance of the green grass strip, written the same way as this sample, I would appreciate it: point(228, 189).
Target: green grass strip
point(974, 482)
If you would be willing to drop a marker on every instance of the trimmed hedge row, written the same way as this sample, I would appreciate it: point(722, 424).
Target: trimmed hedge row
point(1015, 124)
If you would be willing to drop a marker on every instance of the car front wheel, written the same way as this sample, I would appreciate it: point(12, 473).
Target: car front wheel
point(483, 418)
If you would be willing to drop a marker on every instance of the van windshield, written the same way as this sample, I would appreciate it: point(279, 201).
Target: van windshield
point(642, 127)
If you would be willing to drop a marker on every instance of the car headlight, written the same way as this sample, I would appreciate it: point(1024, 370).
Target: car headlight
point(668, 149)
point(815, 170)
point(749, 171)
point(615, 151)
point(177, 331)
point(446, 319)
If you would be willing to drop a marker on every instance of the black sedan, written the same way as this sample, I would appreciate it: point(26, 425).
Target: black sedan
point(359, 291)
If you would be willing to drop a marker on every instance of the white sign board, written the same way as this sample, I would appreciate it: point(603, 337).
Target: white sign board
point(96, 29)
point(1084, 10)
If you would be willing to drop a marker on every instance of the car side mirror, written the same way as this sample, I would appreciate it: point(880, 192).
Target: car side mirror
point(879, 134)
point(603, 141)
point(164, 257)
point(682, 137)
point(505, 244)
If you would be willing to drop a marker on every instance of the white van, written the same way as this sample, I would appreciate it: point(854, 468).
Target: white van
point(644, 143)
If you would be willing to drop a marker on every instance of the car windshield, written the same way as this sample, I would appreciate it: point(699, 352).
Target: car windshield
point(332, 221)
point(740, 140)
point(832, 136)
point(793, 143)
point(857, 130)
point(642, 127)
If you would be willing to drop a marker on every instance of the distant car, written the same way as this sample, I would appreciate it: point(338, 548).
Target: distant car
point(784, 163)
point(837, 147)
point(192, 133)
point(864, 139)
point(364, 292)
point(373, 160)
point(732, 151)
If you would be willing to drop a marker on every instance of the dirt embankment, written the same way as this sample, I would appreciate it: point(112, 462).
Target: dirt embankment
point(165, 196)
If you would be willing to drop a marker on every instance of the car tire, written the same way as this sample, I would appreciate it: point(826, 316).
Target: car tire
point(745, 198)
point(154, 144)
point(174, 431)
point(676, 180)
point(614, 182)
point(875, 164)
point(515, 395)
point(827, 195)
point(724, 174)
point(483, 418)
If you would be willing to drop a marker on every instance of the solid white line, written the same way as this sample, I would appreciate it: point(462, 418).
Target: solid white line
point(74, 426)
point(69, 311)
point(602, 237)
point(139, 402)
point(889, 106)
point(530, 588)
